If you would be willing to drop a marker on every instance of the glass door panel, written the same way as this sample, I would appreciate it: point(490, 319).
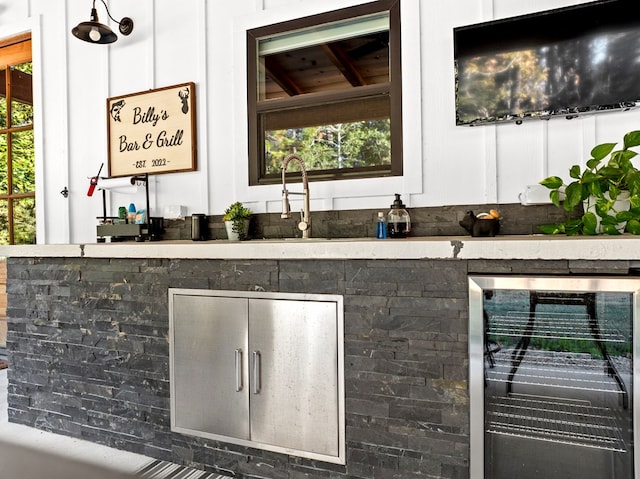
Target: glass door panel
point(557, 376)
point(21, 95)
point(24, 214)
point(23, 168)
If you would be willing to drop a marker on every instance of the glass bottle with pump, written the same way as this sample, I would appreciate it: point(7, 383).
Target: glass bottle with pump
point(398, 221)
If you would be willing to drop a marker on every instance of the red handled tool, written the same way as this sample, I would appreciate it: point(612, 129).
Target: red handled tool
point(93, 182)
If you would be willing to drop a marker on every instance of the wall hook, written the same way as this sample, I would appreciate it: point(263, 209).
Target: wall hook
point(65, 192)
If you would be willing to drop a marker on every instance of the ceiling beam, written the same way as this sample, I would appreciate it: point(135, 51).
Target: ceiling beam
point(343, 63)
point(274, 71)
point(21, 86)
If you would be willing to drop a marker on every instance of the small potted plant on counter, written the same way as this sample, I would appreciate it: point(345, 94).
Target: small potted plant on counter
point(236, 219)
point(608, 189)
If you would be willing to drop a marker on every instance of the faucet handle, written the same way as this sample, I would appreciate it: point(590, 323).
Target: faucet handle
point(303, 225)
point(286, 208)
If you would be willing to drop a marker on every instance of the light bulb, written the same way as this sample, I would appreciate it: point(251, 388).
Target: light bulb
point(94, 34)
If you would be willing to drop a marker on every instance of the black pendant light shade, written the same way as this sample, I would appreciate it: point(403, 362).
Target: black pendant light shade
point(95, 32)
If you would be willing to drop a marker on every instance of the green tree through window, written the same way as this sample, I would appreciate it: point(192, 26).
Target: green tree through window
point(17, 158)
point(343, 145)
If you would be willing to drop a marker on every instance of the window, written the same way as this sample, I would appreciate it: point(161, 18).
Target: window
point(17, 159)
point(329, 88)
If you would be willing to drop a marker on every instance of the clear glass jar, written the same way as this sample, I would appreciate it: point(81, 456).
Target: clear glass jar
point(398, 220)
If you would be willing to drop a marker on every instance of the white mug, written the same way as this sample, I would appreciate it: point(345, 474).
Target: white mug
point(535, 195)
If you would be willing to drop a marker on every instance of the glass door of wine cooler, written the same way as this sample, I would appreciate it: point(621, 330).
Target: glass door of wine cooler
point(551, 377)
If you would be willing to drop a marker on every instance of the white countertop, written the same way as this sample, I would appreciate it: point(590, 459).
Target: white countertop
point(625, 247)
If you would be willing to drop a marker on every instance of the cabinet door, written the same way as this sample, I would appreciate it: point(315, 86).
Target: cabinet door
point(209, 383)
point(294, 396)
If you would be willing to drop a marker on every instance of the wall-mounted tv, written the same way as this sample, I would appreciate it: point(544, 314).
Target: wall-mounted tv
point(568, 61)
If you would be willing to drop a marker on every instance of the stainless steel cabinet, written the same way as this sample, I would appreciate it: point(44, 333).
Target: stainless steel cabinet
point(259, 369)
point(209, 381)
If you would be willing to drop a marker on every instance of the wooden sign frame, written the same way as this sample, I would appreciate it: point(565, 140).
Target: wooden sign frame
point(153, 131)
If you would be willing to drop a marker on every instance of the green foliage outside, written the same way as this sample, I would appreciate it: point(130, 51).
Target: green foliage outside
point(331, 147)
point(23, 169)
point(579, 346)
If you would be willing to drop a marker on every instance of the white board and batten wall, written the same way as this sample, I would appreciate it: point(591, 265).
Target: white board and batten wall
point(199, 41)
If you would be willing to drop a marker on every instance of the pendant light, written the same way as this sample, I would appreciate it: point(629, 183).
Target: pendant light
point(95, 32)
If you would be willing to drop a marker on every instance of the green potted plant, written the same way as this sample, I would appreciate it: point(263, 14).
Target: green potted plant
point(608, 189)
point(236, 218)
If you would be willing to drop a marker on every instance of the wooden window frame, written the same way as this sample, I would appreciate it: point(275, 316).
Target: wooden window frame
point(312, 101)
point(16, 50)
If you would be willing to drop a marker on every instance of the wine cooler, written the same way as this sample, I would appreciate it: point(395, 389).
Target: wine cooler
point(551, 377)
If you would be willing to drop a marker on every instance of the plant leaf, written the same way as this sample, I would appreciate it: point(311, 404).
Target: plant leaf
point(632, 139)
point(573, 194)
point(552, 182)
point(633, 227)
point(592, 163)
point(633, 182)
point(622, 216)
point(603, 207)
point(552, 229)
point(555, 197)
point(611, 172)
point(573, 227)
point(589, 177)
point(589, 223)
point(614, 192)
point(610, 229)
point(600, 151)
point(574, 172)
point(626, 155)
point(593, 189)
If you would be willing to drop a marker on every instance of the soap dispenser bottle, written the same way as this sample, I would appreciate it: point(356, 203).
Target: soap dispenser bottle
point(398, 221)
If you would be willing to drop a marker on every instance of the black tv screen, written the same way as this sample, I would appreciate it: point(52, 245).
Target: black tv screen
point(567, 61)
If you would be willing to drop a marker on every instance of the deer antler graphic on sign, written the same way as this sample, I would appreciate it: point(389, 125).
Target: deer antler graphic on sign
point(184, 96)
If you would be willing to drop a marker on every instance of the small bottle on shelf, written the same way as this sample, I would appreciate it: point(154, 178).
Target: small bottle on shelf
point(381, 228)
point(131, 213)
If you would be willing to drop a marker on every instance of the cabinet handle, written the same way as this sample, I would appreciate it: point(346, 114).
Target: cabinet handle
point(256, 372)
point(238, 370)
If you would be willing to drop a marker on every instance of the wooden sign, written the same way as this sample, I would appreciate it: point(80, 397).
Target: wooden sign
point(153, 131)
